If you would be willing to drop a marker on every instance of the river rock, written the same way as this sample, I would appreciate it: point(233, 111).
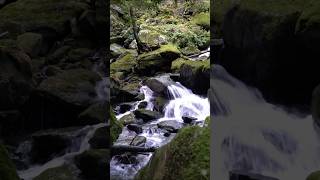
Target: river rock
point(127, 158)
point(238, 175)
point(116, 50)
point(147, 115)
point(157, 86)
point(124, 107)
point(128, 119)
point(152, 39)
point(158, 60)
point(94, 164)
point(160, 103)
point(143, 105)
point(94, 114)
point(15, 78)
point(139, 141)
point(188, 119)
point(101, 138)
point(171, 126)
point(135, 127)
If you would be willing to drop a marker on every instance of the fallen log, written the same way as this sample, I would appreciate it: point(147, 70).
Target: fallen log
point(119, 149)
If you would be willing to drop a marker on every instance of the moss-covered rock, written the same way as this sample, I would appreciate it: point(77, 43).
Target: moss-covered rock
point(96, 113)
point(7, 168)
point(202, 19)
point(128, 119)
point(63, 172)
point(124, 64)
point(186, 157)
point(115, 126)
point(76, 86)
point(159, 59)
point(30, 43)
point(94, 163)
point(147, 115)
point(17, 19)
point(152, 39)
point(314, 176)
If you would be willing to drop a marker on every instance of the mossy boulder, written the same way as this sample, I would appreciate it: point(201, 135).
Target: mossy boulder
point(15, 78)
point(94, 163)
point(101, 138)
point(96, 113)
point(63, 172)
point(17, 19)
point(193, 74)
point(115, 126)
point(30, 43)
point(125, 64)
point(186, 157)
point(128, 119)
point(7, 168)
point(202, 19)
point(146, 115)
point(76, 86)
point(266, 37)
point(314, 176)
point(152, 39)
point(159, 59)
point(160, 103)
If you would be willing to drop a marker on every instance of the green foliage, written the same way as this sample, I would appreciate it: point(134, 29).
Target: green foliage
point(7, 169)
point(115, 126)
point(202, 19)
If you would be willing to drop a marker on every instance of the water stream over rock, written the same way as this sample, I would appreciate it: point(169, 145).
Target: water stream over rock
point(183, 103)
point(253, 136)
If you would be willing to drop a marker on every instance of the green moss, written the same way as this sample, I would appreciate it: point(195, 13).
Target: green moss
point(202, 19)
point(125, 64)
point(314, 176)
point(186, 157)
point(196, 65)
point(58, 173)
point(115, 126)
point(54, 14)
point(7, 168)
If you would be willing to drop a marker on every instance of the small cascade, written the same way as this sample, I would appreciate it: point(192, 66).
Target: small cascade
point(253, 136)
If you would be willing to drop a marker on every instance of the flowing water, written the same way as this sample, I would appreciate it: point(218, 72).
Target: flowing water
point(251, 135)
point(183, 103)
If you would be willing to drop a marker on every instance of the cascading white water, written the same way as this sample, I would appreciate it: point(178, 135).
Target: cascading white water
point(254, 136)
point(183, 103)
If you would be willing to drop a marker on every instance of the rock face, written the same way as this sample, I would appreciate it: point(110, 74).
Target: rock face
point(187, 157)
point(268, 45)
point(94, 164)
point(15, 78)
point(147, 115)
point(7, 170)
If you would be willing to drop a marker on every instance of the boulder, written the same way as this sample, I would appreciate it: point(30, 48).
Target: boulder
point(187, 156)
point(79, 54)
point(135, 127)
point(128, 119)
point(188, 119)
point(157, 86)
point(101, 138)
point(159, 60)
point(94, 163)
point(63, 172)
point(115, 127)
point(152, 39)
point(30, 43)
point(195, 75)
point(143, 105)
point(139, 141)
point(7, 170)
point(124, 107)
point(15, 78)
point(171, 126)
point(124, 63)
point(95, 114)
point(160, 103)
point(147, 115)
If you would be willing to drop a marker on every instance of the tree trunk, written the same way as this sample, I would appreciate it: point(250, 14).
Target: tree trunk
point(141, 47)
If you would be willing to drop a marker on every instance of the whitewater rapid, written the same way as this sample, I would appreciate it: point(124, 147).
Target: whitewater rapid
point(251, 135)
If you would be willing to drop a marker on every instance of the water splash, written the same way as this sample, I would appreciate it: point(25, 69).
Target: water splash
point(254, 136)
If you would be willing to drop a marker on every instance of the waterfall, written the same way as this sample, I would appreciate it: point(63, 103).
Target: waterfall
point(251, 135)
point(183, 103)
